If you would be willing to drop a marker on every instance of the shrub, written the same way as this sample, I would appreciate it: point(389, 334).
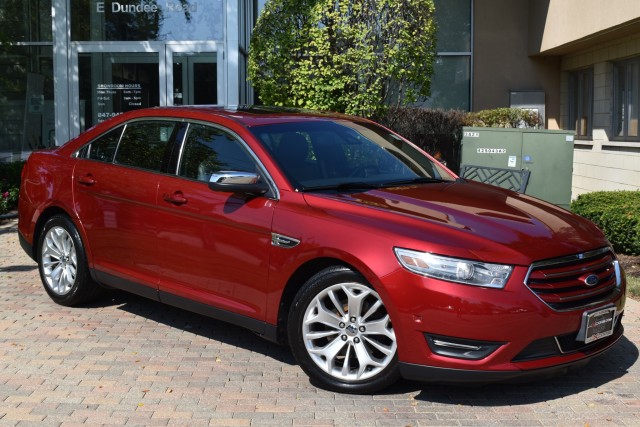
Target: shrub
point(438, 132)
point(9, 185)
point(617, 213)
point(352, 56)
point(505, 118)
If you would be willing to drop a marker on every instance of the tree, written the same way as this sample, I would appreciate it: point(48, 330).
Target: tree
point(353, 56)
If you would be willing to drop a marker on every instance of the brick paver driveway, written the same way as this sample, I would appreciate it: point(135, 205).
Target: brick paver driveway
point(128, 361)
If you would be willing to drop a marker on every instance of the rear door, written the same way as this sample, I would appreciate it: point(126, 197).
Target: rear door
point(213, 246)
point(115, 188)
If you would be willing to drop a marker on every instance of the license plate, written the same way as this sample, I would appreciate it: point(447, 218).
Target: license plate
point(597, 324)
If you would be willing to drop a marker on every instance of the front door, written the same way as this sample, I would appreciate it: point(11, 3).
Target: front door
point(216, 249)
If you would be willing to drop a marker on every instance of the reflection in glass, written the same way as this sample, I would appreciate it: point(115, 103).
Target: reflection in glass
point(451, 84)
point(454, 25)
point(25, 21)
point(26, 99)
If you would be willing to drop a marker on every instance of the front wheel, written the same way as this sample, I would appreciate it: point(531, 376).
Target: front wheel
point(63, 264)
point(341, 334)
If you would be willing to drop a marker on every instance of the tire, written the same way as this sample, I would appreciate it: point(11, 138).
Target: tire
point(341, 334)
point(63, 264)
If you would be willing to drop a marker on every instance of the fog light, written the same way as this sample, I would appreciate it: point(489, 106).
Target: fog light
point(461, 348)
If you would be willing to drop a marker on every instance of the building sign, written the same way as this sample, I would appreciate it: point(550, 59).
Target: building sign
point(143, 20)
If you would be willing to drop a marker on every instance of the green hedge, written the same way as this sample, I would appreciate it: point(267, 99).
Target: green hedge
point(505, 118)
point(617, 213)
point(439, 132)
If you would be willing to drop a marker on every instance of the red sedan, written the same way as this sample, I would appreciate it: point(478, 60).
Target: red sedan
point(326, 232)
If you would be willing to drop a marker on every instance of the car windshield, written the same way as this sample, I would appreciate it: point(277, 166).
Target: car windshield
point(345, 155)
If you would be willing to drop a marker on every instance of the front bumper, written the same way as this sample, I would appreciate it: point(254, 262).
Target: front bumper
point(488, 335)
point(442, 375)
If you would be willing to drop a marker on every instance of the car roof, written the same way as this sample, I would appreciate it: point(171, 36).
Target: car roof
point(248, 115)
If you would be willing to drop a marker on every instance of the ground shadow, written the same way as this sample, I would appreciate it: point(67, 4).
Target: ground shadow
point(194, 323)
point(18, 268)
point(602, 370)
point(8, 228)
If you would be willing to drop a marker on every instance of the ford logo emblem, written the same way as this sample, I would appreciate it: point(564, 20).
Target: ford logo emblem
point(591, 280)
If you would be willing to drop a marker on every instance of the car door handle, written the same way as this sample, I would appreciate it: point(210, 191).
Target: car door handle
point(87, 180)
point(177, 198)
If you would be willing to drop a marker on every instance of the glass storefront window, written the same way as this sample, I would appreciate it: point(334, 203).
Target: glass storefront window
point(147, 20)
point(26, 99)
point(113, 83)
point(25, 21)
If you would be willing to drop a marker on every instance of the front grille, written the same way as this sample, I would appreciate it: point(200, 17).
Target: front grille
point(569, 283)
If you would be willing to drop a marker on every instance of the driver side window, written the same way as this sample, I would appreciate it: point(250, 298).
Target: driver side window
point(209, 150)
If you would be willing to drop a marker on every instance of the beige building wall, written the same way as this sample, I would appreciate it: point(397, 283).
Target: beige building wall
point(601, 163)
point(535, 44)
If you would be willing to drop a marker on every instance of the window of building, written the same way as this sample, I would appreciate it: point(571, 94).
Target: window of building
point(451, 81)
point(626, 102)
point(24, 21)
point(581, 102)
point(26, 78)
point(175, 20)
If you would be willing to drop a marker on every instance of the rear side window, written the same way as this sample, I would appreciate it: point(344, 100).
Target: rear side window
point(103, 148)
point(144, 144)
point(209, 150)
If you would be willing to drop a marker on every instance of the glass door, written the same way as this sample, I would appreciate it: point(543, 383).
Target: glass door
point(195, 77)
point(113, 83)
point(110, 78)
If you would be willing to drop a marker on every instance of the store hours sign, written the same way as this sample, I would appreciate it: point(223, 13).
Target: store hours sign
point(116, 98)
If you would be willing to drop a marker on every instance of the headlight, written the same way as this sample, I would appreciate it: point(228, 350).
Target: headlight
point(453, 269)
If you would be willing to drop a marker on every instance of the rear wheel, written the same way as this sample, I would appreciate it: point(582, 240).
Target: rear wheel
point(63, 264)
point(341, 334)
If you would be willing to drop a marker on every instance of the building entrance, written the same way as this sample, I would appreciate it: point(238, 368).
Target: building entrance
point(108, 79)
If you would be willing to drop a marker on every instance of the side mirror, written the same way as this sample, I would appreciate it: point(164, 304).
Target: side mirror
point(238, 182)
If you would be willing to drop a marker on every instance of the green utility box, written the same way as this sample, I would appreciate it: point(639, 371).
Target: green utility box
point(537, 162)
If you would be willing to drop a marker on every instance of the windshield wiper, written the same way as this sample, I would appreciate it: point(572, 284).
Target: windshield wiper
point(346, 186)
point(421, 180)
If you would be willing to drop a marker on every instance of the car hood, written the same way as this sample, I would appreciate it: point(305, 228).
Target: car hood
point(484, 221)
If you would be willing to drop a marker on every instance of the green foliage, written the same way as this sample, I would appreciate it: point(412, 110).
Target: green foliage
point(355, 56)
point(617, 213)
point(9, 185)
point(505, 118)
